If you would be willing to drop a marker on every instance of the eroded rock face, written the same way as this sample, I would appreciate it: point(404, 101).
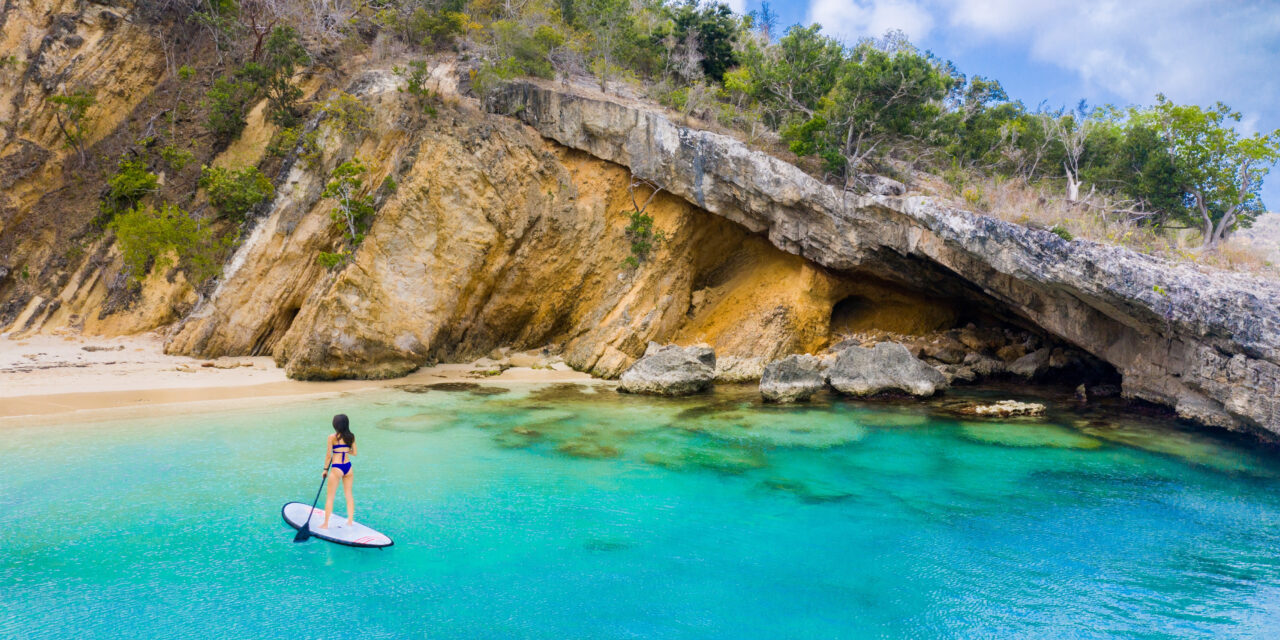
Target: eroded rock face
point(495, 238)
point(793, 378)
point(888, 366)
point(1205, 342)
point(670, 370)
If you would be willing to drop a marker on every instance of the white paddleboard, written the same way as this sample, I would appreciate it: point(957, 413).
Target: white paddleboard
point(354, 534)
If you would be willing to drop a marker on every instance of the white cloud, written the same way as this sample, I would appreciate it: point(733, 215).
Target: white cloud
point(1194, 51)
point(738, 6)
point(850, 20)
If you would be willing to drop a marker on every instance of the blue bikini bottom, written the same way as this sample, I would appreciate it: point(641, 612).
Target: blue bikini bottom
point(344, 467)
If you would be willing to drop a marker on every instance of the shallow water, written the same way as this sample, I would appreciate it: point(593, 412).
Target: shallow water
point(559, 512)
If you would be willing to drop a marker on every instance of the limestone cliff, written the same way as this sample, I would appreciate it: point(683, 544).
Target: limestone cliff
point(496, 237)
point(1206, 343)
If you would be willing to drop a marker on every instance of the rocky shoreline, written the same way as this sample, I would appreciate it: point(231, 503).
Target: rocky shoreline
point(1206, 343)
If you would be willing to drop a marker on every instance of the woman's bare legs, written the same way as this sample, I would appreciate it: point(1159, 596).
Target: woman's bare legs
point(334, 476)
point(346, 489)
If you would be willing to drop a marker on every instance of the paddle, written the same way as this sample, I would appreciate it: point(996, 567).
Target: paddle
point(304, 532)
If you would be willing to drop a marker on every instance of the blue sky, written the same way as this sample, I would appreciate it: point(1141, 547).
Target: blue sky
point(1104, 51)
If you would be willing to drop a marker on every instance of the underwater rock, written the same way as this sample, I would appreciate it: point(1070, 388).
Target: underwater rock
point(421, 422)
point(584, 448)
point(670, 370)
point(560, 392)
point(1024, 434)
point(727, 461)
point(473, 388)
point(888, 366)
point(793, 378)
point(811, 492)
point(1004, 409)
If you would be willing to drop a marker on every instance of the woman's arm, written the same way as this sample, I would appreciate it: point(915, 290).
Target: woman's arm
point(353, 448)
point(328, 453)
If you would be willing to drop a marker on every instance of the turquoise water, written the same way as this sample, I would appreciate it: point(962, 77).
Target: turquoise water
point(557, 512)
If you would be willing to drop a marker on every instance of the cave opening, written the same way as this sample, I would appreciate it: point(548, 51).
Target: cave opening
point(968, 337)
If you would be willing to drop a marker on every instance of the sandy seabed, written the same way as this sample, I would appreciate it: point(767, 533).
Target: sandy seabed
point(50, 375)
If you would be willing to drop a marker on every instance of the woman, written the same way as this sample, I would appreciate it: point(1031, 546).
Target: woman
point(337, 463)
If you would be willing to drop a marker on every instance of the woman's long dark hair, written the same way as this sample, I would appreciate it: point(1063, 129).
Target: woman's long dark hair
point(343, 428)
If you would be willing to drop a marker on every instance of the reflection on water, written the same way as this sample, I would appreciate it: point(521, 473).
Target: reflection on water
point(571, 511)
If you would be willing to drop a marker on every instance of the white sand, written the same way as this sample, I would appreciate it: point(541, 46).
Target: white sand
point(45, 375)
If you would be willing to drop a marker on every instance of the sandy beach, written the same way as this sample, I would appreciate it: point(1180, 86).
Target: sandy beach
point(50, 375)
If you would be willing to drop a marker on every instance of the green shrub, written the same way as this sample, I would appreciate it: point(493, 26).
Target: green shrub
point(176, 158)
point(354, 210)
point(331, 260)
point(287, 140)
point(415, 80)
point(228, 101)
point(233, 192)
point(128, 185)
point(433, 29)
point(644, 238)
point(347, 114)
point(284, 52)
point(72, 108)
point(148, 237)
point(1061, 232)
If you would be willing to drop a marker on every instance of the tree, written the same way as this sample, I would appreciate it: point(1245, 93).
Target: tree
point(1132, 160)
point(72, 108)
point(794, 75)
point(1221, 169)
point(1072, 132)
point(354, 208)
point(879, 95)
point(608, 22)
point(228, 101)
point(765, 20)
point(284, 52)
point(712, 29)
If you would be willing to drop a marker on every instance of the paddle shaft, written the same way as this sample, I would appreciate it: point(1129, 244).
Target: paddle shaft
point(305, 530)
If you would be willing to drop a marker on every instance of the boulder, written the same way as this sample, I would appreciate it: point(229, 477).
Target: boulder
point(793, 378)
point(984, 366)
point(670, 370)
point(733, 369)
point(1011, 352)
point(888, 366)
point(1032, 365)
point(954, 372)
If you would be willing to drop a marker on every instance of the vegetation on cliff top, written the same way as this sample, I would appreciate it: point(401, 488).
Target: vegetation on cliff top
point(1164, 178)
point(842, 111)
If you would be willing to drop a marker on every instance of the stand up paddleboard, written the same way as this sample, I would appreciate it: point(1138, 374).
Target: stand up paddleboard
point(352, 535)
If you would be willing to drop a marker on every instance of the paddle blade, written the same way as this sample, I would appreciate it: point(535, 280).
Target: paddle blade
point(304, 533)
